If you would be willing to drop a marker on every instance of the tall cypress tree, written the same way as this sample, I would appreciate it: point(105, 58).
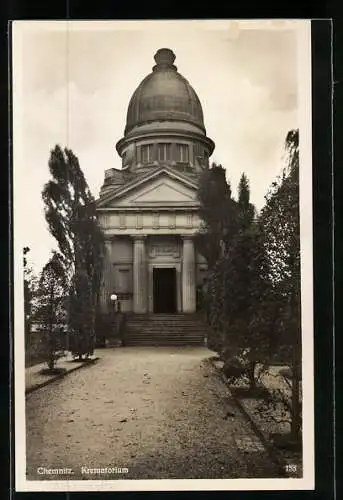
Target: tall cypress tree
point(245, 208)
point(71, 216)
point(218, 212)
point(219, 216)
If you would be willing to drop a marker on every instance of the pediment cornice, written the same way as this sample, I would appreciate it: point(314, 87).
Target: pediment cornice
point(110, 198)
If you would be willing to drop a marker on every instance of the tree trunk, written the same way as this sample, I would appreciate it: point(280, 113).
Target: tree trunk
point(51, 361)
point(251, 374)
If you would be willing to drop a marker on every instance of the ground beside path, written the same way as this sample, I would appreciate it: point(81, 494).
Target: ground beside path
point(34, 378)
point(161, 413)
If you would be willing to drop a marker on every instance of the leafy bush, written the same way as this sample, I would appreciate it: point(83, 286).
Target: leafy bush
point(240, 366)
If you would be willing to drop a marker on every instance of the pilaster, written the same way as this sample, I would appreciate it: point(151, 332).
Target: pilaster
point(107, 275)
point(188, 276)
point(139, 275)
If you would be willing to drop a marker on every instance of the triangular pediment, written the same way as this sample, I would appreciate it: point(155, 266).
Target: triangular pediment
point(162, 189)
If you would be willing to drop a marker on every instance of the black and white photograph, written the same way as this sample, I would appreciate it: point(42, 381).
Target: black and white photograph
point(163, 288)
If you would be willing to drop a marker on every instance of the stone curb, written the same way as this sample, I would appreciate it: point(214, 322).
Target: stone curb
point(272, 451)
point(60, 375)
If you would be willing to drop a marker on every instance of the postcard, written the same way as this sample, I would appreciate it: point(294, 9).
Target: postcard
point(162, 217)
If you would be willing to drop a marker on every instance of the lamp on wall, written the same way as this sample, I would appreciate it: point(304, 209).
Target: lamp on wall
point(116, 319)
point(114, 299)
point(114, 308)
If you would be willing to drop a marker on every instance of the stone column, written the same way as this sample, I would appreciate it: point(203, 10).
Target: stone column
point(140, 285)
point(107, 275)
point(188, 276)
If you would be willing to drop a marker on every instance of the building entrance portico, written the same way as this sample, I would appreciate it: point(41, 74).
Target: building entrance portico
point(164, 285)
point(153, 273)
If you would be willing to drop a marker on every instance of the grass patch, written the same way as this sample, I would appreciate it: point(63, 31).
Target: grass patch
point(258, 392)
point(32, 360)
point(82, 360)
point(286, 373)
point(214, 358)
point(52, 371)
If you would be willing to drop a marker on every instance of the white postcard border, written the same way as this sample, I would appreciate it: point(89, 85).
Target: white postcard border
point(303, 28)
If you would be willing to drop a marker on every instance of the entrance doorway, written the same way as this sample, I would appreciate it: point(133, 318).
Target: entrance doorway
point(164, 283)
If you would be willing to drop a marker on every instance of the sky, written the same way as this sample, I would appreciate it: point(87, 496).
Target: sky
point(73, 82)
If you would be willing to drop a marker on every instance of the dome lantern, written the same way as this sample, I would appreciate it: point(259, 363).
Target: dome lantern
point(164, 59)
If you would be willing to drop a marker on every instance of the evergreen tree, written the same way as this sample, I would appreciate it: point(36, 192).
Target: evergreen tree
point(30, 290)
point(241, 316)
point(51, 308)
point(27, 293)
point(245, 209)
point(237, 279)
point(246, 289)
point(218, 213)
point(71, 215)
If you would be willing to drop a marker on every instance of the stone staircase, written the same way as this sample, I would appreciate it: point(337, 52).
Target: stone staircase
point(165, 329)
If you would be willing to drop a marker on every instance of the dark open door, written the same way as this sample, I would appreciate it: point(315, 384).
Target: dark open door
point(164, 290)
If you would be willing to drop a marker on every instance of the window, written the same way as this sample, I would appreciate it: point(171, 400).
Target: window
point(182, 152)
point(156, 221)
point(123, 279)
point(172, 220)
point(122, 221)
point(164, 152)
point(146, 152)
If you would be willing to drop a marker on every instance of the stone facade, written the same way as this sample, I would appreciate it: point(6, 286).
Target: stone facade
point(148, 209)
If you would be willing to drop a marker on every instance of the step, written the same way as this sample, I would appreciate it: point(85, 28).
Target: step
point(164, 337)
point(169, 333)
point(171, 319)
point(174, 323)
point(161, 323)
point(165, 330)
point(164, 325)
point(163, 342)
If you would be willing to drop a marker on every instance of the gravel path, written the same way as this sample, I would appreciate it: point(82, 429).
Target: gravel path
point(150, 413)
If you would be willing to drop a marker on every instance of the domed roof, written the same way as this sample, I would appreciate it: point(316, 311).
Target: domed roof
point(164, 95)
